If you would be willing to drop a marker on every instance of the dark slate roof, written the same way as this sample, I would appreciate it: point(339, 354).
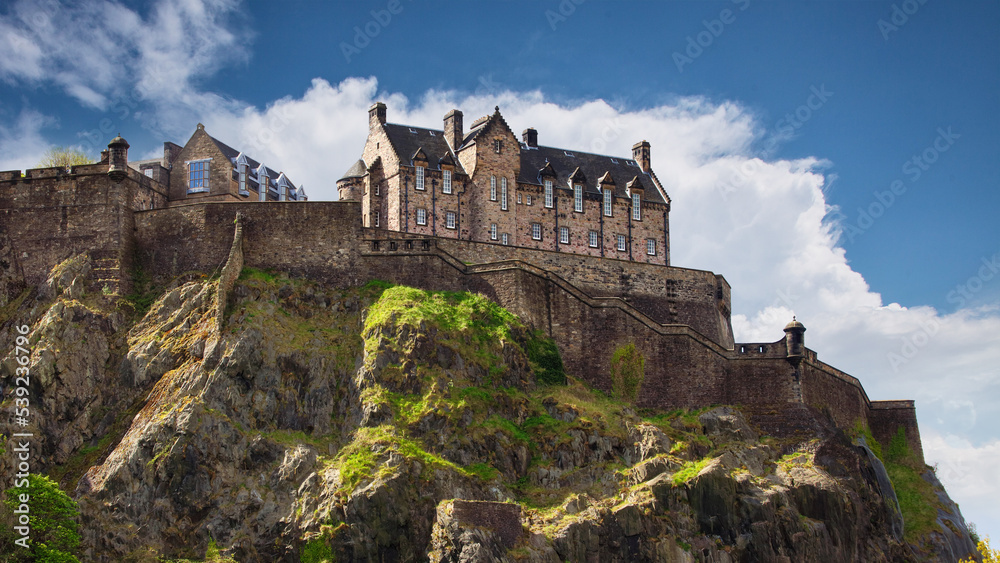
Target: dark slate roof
point(408, 140)
point(593, 167)
point(232, 154)
point(357, 170)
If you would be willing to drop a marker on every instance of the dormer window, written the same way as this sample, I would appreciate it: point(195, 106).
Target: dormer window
point(548, 194)
point(578, 198)
point(607, 201)
point(446, 181)
point(241, 171)
point(420, 178)
point(636, 209)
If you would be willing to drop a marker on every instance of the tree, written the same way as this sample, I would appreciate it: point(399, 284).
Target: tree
point(54, 537)
point(988, 554)
point(628, 370)
point(62, 156)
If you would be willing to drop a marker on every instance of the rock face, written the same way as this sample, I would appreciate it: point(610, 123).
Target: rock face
point(393, 424)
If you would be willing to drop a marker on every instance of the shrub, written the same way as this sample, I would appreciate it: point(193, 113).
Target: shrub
point(628, 370)
point(54, 537)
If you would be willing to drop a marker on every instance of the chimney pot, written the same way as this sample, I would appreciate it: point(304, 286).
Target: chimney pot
point(530, 137)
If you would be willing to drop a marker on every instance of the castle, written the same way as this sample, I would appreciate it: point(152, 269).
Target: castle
point(172, 216)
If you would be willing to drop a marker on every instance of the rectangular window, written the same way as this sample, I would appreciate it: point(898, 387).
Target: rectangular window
point(503, 194)
point(376, 189)
point(420, 178)
point(449, 220)
point(493, 231)
point(621, 243)
point(243, 179)
point(493, 188)
point(198, 176)
point(527, 200)
point(578, 198)
point(536, 231)
point(376, 219)
point(497, 145)
point(446, 183)
point(563, 235)
point(592, 239)
point(518, 198)
point(504, 241)
point(607, 202)
point(636, 209)
point(651, 247)
point(421, 216)
point(548, 194)
point(148, 172)
point(263, 184)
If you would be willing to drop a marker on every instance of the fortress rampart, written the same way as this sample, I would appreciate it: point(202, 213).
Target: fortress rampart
point(678, 318)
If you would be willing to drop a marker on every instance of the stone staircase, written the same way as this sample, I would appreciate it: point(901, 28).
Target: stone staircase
point(105, 274)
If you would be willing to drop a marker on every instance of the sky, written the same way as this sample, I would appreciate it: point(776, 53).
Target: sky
point(832, 159)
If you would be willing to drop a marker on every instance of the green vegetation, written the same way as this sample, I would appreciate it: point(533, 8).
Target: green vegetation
point(545, 359)
point(628, 370)
point(64, 156)
point(54, 537)
point(987, 553)
point(690, 470)
point(317, 551)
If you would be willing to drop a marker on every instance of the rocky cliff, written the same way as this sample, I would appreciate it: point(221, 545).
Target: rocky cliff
point(384, 423)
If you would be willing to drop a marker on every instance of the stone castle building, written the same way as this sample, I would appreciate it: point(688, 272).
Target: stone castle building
point(420, 209)
point(485, 185)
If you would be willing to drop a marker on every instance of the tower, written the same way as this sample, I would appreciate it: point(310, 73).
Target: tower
point(795, 341)
point(118, 158)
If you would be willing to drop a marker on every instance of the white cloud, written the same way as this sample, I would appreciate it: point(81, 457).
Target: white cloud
point(22, 145)
point(969, 474)
point(100, 52)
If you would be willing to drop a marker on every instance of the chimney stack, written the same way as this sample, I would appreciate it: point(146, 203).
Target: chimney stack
point(453, 129)
point(376, 113)
point(530, 137)
point(640, 154)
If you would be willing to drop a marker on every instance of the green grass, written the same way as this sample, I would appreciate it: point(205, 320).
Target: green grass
point(508, 427)
point(484, 471)
point(690, 470)
point(267, 276)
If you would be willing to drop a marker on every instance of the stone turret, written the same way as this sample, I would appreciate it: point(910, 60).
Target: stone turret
point(795, 341)
point(118, 158)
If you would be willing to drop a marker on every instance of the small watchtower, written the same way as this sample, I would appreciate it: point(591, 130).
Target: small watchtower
point(118, 158)
point(795, 340)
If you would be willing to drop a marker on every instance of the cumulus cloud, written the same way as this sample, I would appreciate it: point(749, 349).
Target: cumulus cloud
point(22, 144)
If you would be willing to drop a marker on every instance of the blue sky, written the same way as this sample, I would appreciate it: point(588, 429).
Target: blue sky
point(782, 130)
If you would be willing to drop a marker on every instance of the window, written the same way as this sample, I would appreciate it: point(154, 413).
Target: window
point(449, 220)
point(504, 239)
point(519, 198)
point(636, 209)
point(148, 172)
point(536, 231)
point(503, 194)
point(651, 247)
point(607, 202)
point(563, 235)
point(497, 145)
point(420, 177)
point(376, 219)
point(376, 189)
point(446, 183)
point(421, 216)
point(198, 176)
point(493, 231)
point(578, 198)
point(493, 188)
point(592, 239)
point(548, 194)
point(621, 243)
point(527, 200)
point(263, 184)
point(243, 178)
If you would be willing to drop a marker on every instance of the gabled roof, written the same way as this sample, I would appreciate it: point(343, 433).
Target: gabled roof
point(481, 124)
point(593, 166)
point(408, 140)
